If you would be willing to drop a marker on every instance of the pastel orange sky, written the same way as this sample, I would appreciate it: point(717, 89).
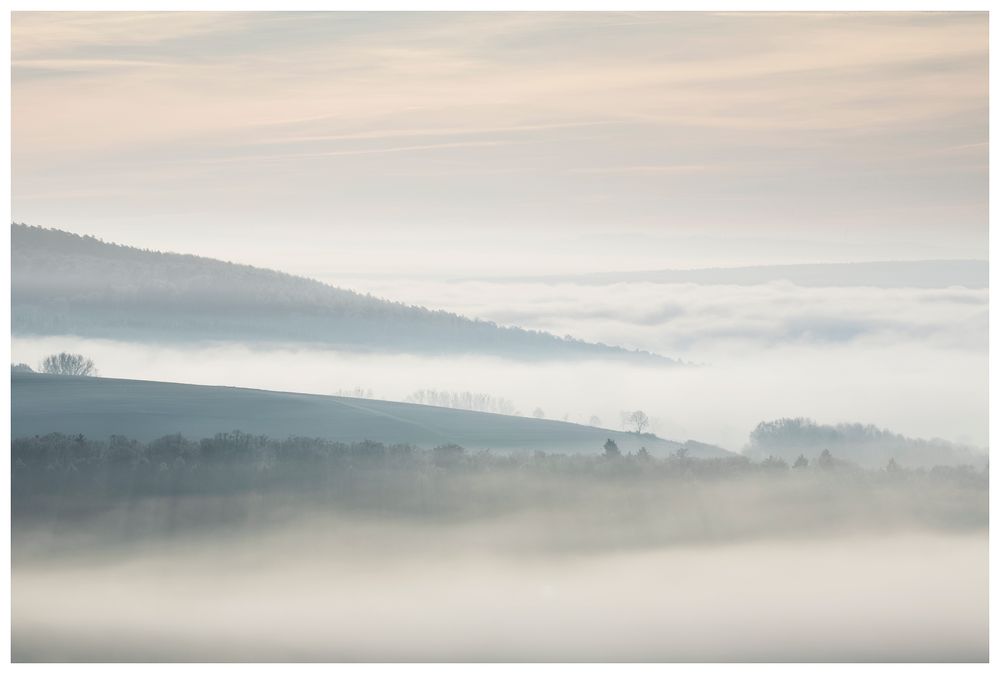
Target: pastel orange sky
point(412, 141)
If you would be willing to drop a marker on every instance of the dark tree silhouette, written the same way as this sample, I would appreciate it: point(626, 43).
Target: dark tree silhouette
point(638, 421)
point(611, 449)
point(69, 364)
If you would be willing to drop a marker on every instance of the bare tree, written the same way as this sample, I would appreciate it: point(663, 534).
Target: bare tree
point(463, 400)
point(68, 363)
point(638, 421)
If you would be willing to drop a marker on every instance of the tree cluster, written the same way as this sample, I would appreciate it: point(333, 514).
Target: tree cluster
point(463, 400)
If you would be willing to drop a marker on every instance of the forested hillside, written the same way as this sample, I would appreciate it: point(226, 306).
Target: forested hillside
point(863, 444)
point(66, 284)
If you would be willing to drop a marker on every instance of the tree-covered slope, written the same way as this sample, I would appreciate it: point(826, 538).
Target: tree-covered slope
point(66, 284)
point(864, 444)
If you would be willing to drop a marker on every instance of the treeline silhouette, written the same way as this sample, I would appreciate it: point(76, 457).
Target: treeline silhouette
point(57, 470)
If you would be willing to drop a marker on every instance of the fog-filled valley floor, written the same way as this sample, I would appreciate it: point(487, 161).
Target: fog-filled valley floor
point(328, 591)
point(238, 547)
point(441, 477)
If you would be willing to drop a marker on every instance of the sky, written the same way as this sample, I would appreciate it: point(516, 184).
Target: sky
point(497, 143)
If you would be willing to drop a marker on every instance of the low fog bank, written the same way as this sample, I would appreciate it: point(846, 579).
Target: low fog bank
point(914, 390)
point(240, 548)
point(706, 323)
point(893, 274)
point(301, 595)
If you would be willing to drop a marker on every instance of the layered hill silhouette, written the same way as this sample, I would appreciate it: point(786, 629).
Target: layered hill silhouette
point(67, 284)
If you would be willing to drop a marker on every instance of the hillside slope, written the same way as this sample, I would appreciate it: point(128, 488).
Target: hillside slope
point(65, 284)
point(146, 410)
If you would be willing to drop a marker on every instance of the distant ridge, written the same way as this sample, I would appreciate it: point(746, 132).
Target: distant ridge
point(67, 284)
point(899, 274)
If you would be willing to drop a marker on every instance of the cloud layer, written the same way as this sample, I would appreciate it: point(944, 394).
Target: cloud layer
point(706, 322)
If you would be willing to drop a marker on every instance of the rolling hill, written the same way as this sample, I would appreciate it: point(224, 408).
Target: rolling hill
point(66, 284)
point(146, 410)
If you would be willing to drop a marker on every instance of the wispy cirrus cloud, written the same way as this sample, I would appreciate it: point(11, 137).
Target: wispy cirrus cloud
point(41, 33)
point(793, 125)
point(650, 169)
